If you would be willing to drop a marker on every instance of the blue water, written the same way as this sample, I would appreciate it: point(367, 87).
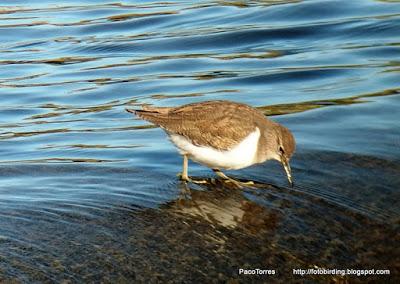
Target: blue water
point(90, 193)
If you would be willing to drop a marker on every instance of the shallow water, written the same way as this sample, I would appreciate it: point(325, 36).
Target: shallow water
point(89, 193)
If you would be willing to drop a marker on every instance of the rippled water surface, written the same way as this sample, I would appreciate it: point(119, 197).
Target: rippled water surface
point(90, 193)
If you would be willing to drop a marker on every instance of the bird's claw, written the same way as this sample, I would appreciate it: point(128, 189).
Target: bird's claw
point(239, 184)
point(188, 179)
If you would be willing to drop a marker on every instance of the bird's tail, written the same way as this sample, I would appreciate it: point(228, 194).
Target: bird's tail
point(161, 110)
point(153, 114)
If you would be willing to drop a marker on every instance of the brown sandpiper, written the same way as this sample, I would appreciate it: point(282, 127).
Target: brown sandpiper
point(222, 135)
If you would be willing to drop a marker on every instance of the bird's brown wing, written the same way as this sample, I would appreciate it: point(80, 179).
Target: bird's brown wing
point(219, 124)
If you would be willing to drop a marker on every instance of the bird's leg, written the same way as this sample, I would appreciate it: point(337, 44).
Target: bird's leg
point(185, 169)
point(184, 175)
point(238, 183)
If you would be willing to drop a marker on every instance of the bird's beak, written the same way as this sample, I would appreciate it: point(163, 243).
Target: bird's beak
point(286, 166)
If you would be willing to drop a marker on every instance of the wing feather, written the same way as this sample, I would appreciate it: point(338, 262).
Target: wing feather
point(219, 124)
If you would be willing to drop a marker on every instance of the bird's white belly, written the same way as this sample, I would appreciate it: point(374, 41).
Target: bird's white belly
point(240, 156)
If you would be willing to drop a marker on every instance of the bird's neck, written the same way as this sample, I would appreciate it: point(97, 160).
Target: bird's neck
point(267, 145)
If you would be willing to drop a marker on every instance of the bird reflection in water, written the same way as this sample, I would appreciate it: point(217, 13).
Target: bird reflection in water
point(223, 204)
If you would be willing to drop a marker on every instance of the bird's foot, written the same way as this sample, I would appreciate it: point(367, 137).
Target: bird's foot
point(239, 184)
point(188, 179)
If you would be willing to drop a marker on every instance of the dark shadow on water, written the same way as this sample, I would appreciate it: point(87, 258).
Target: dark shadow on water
point(208, 233)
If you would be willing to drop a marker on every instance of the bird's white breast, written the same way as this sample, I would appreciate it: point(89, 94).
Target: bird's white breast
point(240, 156)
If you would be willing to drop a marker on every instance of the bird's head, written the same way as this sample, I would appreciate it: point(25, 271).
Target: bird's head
point(286, 145)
